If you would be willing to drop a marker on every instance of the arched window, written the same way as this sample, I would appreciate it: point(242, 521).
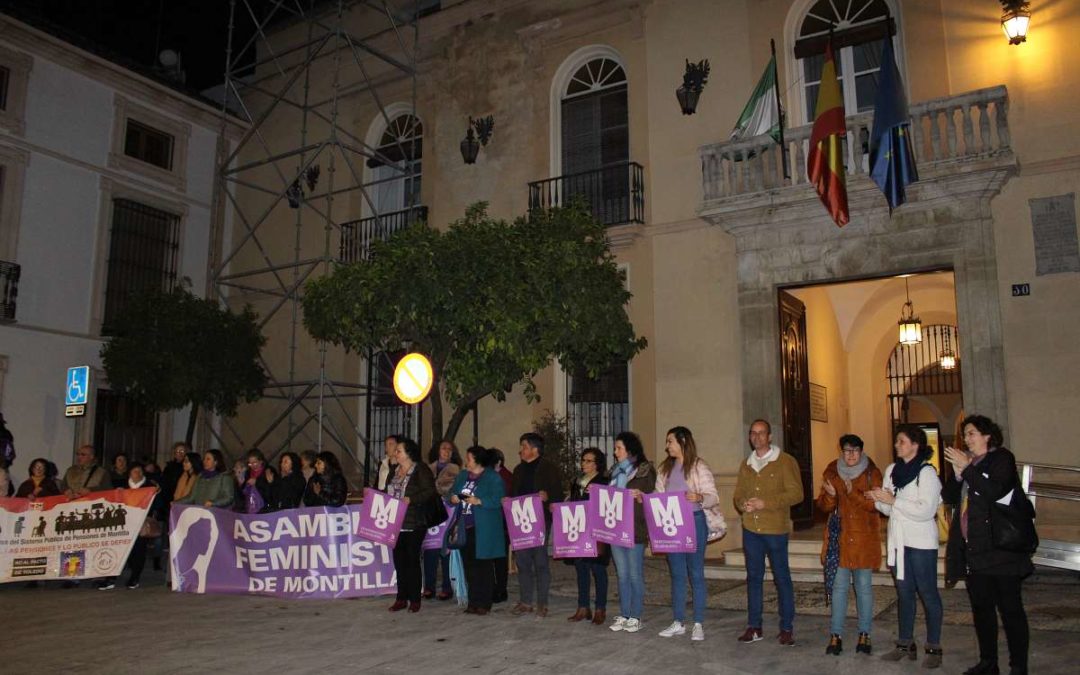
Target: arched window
point(859, 29)
point(595, 126)
point(396, 166)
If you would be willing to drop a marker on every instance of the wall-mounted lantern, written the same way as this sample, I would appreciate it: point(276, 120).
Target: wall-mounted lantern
point(1015, 20)
point(478, 134)
point(693, 81)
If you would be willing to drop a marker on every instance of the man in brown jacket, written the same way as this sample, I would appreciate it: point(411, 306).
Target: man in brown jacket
point(767, 487)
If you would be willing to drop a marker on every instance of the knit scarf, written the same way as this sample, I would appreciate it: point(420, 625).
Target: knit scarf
point(208, 473)
point(620, 474)
point(906, 472)
point(850, 473)
point(759, 463)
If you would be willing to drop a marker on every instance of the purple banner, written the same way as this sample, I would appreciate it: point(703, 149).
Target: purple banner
point(571, 531)
point(381, 517)
point(524, 521)
point(670, 520)
point(298, 553)
point(611, 515)
point(433, 540)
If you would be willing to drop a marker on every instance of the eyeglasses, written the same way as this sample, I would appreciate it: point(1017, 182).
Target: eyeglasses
point(586, 460)
point(851, 451)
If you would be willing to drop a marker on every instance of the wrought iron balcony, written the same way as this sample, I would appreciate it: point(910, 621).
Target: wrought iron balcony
point(952, 134)
point(615, 193)
point(357, 236)
point(9, 290)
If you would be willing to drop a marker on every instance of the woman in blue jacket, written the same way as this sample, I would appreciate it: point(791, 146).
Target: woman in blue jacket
point(480, 489)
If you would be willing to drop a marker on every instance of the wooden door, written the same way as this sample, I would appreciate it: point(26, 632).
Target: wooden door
point(795, 387)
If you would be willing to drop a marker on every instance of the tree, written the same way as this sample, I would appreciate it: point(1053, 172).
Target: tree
point(171, 349)
point(490, 302)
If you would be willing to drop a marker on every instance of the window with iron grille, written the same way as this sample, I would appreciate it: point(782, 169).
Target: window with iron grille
point(144, 245)
point(149, 145)
point(599, 409)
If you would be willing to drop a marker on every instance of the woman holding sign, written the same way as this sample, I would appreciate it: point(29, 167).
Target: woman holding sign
point(684, 471)
point(593, 468)
point(413, 483)
point(481, 490)
point(632, 472)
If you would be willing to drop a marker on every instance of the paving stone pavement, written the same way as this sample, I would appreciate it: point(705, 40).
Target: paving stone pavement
point(151, 630)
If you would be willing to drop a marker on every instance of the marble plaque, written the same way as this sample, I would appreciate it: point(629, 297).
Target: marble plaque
point(1053, 224)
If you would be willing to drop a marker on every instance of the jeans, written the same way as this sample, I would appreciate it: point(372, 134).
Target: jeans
point(756, 547)
point(990, 594)
point(585, 567)
point(920, 575)
point(864, 599)
point(534, 574)
point(407, 564)
point(433, 560)
point(629, 564)
point(680, 565)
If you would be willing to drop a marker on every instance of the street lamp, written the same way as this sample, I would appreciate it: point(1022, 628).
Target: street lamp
point(1015, 20)
point(470, 145)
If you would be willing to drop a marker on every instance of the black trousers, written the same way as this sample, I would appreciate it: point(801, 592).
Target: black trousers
point(407, 565)
point(502, 575)
point(990, 595)
point(479, 573)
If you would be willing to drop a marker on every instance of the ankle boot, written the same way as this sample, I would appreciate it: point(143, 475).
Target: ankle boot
point(835, 646)
point(933, 658)
point(864, 646)
point(582, 614)
point(901, 651)
point(599, 617)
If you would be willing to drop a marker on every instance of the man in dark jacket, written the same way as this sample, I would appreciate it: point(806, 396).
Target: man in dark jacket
point(533, 475)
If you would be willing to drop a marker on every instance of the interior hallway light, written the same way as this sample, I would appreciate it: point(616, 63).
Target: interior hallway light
point(910, 326)
point(1015, 20)
point(947, 356)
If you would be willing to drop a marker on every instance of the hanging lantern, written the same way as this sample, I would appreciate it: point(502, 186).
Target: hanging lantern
point(1015, 20)
point(947, 357)
point(910, 325)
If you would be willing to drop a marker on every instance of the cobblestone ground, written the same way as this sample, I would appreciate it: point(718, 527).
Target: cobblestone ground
point(151, 630)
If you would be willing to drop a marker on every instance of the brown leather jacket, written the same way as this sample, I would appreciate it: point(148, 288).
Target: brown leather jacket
point(860, 522)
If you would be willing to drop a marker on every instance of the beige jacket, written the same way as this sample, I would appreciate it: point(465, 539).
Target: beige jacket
point(778, 485)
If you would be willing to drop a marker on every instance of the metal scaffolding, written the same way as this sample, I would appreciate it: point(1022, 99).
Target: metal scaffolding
point(295, 71)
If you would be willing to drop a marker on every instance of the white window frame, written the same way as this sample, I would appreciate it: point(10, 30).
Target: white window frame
point(372, 138)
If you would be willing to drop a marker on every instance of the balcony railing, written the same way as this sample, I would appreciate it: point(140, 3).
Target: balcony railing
point(615, 193)
point(357, 236)
point(946, 131)
point(9, 290)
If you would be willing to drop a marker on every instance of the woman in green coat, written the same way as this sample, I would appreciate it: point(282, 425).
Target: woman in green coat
point(480, 489)
point(212, 487)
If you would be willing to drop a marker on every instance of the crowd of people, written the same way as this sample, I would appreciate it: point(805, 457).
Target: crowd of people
point(855, 494)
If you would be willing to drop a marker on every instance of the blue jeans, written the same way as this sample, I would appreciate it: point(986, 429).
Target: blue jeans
point(864, 599)
point(433, 560)
point(920, 575)
point(585, 567)
point(629, 563)
point(680, 565)
point(775, 546)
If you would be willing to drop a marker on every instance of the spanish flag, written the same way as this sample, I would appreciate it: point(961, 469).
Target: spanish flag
point(826, 159)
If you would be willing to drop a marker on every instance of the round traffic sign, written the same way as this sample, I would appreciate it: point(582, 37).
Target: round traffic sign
point(413, 378)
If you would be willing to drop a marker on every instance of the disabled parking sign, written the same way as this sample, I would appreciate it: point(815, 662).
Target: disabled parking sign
point(77, 391)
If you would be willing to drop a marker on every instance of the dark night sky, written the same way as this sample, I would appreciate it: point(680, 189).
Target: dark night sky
point(139, 29)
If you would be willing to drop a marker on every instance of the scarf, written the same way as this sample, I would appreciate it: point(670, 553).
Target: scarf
point(133, 485)
point(850, 473)
point(208, 473)
point(620, 474)
point(256, 471)
point(758, 463)
point(583, 482)
point(905, 472)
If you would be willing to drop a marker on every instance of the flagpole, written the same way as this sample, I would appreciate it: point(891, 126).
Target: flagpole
point(779, 110)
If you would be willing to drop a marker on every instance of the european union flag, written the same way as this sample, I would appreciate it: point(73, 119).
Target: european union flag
point(892, 159)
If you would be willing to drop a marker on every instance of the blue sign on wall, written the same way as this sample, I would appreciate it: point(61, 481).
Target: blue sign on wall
point(78, 385)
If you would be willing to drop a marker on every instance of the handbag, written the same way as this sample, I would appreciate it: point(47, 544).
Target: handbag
point(435, 512)
point(1012, 526)
point(455, 537)
point(151, 528)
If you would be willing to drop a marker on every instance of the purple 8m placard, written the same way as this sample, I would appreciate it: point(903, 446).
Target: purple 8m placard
point(670, 520)
point(611, 512)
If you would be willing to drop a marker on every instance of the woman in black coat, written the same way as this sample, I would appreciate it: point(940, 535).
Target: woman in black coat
point(593, 470)
point(327, 486)
point(985, 474)
point(412, 481)
point(287, 484)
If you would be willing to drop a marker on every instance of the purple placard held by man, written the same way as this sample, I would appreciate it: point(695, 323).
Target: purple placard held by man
point(433, 538)
point(381, 517)
point(670, 520)
point(571, 534)
point(524, 521)
point(611, 514)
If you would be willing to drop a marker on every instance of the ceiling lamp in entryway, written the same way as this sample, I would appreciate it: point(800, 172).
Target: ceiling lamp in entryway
point(910, 326)
point(947, 357)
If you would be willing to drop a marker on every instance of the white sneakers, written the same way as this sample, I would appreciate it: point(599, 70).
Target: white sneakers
point(676, 628)
point(632, 626)
point(698, 633)
point(619, 624)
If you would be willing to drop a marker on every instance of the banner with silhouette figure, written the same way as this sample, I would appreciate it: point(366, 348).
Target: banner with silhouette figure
point(58, 538)
point(297, 553)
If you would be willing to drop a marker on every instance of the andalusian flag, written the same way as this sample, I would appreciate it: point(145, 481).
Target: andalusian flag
point(892, 158)
point(826, 159)
point(762, 112)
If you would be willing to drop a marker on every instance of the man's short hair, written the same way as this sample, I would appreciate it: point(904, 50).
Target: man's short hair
point(534, 439)
point(768, 427)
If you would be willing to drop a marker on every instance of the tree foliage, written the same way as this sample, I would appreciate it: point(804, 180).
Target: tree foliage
point(489, 301)
point(170, 349)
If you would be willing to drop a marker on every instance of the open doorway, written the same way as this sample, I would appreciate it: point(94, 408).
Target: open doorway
point(858, 378)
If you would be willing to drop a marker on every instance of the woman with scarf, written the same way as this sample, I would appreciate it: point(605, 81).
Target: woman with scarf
point(255, 485)
point(983, 475)
point(286, 484)
point(633, 472)
point(412, 482)
point(41, 483)
point(481, 491)
point(189, 471)
point(593, 468)
point(910, 497)
point(852, 547)
point(136, 560)
point(327, 486)
point(445, 464)
point(213, 487)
